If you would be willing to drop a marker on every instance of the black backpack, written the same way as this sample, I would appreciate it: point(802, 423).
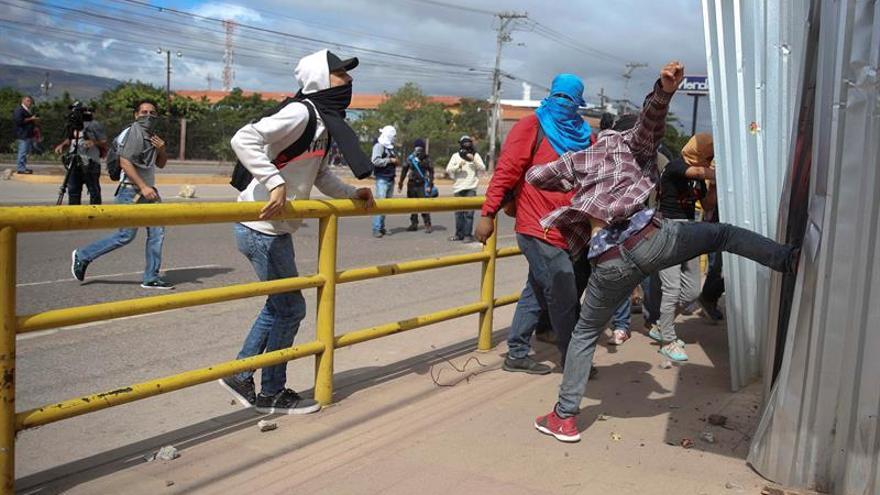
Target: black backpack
point(242, 177)
point(114, 169)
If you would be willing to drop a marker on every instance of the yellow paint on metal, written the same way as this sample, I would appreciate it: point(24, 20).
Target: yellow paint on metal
point(82, 405)
point(7, 358)
point(54, 218)
point(505, 300)
point(366, 273)
point(371, 333)
point(508, 252)
point(325, 328)
point(487, 292)
point(106, 311)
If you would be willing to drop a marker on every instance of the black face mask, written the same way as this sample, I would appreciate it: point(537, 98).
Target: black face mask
point(330, 100)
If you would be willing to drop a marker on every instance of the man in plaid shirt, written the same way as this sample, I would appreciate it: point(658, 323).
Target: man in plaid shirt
point(626, 241)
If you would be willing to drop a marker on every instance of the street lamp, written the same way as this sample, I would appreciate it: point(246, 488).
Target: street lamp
point(168, 73)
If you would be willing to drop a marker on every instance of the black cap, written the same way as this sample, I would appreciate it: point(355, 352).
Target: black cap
point(334, 63)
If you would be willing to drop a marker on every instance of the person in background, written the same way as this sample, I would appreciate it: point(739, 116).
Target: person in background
point(89, 143)
point(141, 154)
point(713, 286)
point(25, 131)
point(419, 175)
point(682, 184)
point(384, 160)
point(464, 167)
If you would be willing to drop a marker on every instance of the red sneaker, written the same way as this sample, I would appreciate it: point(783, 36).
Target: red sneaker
point(564, 429)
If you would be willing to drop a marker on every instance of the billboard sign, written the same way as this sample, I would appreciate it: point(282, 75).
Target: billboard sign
point(695, 85)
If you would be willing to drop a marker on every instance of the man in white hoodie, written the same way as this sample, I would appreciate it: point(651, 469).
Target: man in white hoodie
point(263, 149)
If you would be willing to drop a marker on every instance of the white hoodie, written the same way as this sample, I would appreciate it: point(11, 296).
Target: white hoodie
point(258, 143)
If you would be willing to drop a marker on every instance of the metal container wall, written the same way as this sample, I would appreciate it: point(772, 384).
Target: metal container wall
point(754, 56)
point(821, 425)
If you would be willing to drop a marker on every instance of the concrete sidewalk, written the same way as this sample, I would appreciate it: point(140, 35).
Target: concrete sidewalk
point(450, 421)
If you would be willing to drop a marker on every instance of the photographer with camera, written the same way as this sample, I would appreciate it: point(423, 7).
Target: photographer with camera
point(465, 167)
point(25, 131)
point(141, 152)
point(85, 143)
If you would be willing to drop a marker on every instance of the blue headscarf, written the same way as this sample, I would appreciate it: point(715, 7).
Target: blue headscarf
point(562, 125)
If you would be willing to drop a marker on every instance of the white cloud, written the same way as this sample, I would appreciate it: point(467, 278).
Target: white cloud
point(228, 11)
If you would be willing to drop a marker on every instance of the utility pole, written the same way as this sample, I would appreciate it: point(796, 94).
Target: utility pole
point(627, 75)
point(504, 28)
point(168, 75)
point(602, 98)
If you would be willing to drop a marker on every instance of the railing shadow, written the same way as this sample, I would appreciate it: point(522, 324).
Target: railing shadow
point(62, 478)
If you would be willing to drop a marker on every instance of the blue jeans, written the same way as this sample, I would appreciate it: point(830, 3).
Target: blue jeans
point(153, 250)
point(384, 190)
point(622, 316)
point(613, 281)
point(24, 147)
point(552, 287)
point(273, 258)
point(464, 220)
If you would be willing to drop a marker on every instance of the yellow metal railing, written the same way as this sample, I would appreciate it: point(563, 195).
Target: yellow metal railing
point(15, 220)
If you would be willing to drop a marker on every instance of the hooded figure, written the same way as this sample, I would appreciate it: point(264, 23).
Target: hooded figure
point(387, 135)
point(558, 114)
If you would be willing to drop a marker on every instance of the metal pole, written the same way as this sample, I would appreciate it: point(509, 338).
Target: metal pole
point(325, 326)
point(168, 79)
point(694, 122)
point(487, 292)
point(182, 154)
point(7, 358)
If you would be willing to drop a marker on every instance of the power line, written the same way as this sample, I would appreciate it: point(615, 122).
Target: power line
point(456, 7)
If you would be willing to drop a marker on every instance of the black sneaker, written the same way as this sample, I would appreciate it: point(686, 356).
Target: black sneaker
point(525, 365)
point(158, 284)
point(710, 310)
point(286, 402)
point(243, 391)
point(78, 266)
point(412, 227)
point(25, 172)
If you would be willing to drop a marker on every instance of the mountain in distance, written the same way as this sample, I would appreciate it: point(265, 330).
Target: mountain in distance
point(27, 80)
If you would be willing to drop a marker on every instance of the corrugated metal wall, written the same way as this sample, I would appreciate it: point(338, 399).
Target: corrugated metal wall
point(755, 54)
point(821, 425)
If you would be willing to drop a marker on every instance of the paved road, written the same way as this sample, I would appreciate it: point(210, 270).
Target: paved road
point(64, 363)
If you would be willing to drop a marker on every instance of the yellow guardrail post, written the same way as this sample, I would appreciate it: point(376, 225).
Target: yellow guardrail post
point(487, 291)
point(326, 322)
point(7, 358)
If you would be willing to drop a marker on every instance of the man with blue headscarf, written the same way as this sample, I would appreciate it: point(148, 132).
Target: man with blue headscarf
point(555, 280)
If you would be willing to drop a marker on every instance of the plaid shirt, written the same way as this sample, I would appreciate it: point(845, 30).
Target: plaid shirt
point(613, 178)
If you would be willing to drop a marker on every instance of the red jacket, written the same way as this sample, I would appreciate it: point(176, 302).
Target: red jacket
point(532, 203)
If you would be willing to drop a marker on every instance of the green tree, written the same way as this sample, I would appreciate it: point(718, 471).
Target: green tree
point(10, 99)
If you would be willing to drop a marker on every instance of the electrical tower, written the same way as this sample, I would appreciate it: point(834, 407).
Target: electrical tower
point(504, 28)
point(627, 75)
point(228, 56)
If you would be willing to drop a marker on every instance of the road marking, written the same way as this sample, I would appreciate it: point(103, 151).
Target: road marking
point(112, 275)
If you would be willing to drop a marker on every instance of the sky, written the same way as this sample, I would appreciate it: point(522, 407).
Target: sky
point(447, 47)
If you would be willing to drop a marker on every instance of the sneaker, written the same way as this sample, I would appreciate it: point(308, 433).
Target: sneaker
point(378, 234)
point(456, 238)
point(26, 171)
point(525, 365)
point(468, 239)
point(618, 337)
point(564, 429)
point(412, 227)
point(286, 402)
point(674, 351)
point(158, 284)
point(654, 333)
point(243, 391)
point(429, 229)
point(383, 231)
point(710, 310)
point(78, 266)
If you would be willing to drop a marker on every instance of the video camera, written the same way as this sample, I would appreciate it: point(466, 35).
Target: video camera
point(79, 115)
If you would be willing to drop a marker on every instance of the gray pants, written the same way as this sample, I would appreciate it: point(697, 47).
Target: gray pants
point(613, 280)
point(681, 287)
